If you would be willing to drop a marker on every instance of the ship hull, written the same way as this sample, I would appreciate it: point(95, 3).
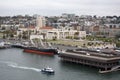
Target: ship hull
point(40, 51)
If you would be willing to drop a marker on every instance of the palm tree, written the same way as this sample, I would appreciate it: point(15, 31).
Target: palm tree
point(76, 35)
point(117, 36)
point(25, 35)
point(7, 34)
point(44, 36)
point(4, 35)
point(55, 37)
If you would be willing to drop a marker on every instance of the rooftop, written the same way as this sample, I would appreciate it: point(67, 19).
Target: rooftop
point(47, 27)
point(102, 56)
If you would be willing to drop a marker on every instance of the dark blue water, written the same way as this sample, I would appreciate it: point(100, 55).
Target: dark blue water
point(16, 65)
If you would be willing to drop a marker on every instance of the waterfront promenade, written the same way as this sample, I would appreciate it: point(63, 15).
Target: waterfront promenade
point(72, 43)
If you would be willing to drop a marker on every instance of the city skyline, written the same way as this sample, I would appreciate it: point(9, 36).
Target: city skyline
point(57, 7)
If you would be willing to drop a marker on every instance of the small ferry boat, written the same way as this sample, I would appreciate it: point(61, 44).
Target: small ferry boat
point(48, 70)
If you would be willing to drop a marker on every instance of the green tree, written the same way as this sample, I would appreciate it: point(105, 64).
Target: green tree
point(76, 35)
point(117, 36)
point(25, 35)
point(44, 36)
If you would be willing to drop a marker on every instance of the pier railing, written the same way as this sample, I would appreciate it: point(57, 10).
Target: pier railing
point(94, 53)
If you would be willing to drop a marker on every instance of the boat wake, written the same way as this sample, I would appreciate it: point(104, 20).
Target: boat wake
point(24, 67)
point(15, 65)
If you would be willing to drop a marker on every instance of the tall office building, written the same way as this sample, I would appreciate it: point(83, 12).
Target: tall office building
point(41, 22)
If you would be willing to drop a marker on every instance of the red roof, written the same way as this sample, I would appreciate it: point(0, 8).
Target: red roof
point(46, 27)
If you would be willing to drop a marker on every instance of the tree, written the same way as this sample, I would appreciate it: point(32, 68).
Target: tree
point(11, 35)
point(54, 38)
point(19, 36)
point(117, 36)
point(25, 35)
point(44, 36)
point(6, 34)
point(76, 35)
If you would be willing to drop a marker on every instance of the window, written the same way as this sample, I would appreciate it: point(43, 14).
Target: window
point(110, 26)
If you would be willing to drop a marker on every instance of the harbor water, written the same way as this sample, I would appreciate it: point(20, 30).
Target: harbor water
point(17, 65)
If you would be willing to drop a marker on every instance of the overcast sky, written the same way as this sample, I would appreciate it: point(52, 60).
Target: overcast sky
point(57, 7)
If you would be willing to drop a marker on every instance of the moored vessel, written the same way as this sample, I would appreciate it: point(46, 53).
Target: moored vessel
point(38, 47)
point(43, 51)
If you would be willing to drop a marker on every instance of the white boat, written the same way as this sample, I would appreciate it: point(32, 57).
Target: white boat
point(48, 70)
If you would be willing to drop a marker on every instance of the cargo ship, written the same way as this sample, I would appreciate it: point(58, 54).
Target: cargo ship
point(43, 51)
point(40, 48)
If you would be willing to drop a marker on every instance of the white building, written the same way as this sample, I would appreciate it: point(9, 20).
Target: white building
point(51, 33)
point(8, 27)
point(21, 30)
point(40, 21)
point(70, 16)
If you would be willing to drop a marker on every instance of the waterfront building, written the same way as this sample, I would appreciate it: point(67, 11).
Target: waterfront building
point(50, 32)
point(104, 59)
point(28, 31)
point(61, 33)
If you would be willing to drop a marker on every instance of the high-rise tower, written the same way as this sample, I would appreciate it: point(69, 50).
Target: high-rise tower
point(40, 21)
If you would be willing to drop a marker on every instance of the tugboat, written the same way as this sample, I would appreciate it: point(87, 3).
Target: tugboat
point(48, 70)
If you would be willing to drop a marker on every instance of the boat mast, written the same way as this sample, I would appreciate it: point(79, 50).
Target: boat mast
point(39, 43)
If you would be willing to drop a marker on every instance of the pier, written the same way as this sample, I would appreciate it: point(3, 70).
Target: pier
point(104, 60)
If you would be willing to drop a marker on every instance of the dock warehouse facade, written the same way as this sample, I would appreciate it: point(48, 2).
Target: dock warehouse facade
point(103, 60)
